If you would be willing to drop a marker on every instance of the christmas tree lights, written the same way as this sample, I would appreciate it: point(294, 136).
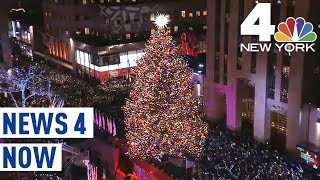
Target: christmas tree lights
point(162, 114)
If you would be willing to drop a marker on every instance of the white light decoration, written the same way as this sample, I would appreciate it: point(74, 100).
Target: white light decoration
point(162, 20)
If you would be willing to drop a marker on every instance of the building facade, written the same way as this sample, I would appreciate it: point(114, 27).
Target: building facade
point(104, 38)
point(25, 25)
point(5, 43)
point(275, 92)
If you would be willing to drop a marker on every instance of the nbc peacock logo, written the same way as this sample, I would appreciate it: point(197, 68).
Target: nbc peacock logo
point(295, 30)
point(294, 35)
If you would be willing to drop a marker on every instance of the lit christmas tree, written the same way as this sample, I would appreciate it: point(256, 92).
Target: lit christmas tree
point(162, 114)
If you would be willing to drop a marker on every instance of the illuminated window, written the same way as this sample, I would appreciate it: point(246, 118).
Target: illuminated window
point(152, 18)
point(204, 27)
point(128, 36)
point(133, 0)
point(86, 31)
point(101, 1)
point(84, 1)
point(153, 31)
point(191, 28)
point(176, 29)
point(67, 33)
point(183, 13)
point(190, 14)
point(205, 13)
point(198, 13)
point(118, 1)
point(286, 71)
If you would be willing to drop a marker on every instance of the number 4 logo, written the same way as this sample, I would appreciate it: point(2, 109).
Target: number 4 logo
point(261, 12)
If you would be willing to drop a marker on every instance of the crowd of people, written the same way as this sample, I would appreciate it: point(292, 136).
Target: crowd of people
point(236, 156)
point(114, 85)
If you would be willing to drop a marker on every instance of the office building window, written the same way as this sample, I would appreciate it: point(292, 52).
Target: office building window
point(217, 25)
point(176, 28)
point(240, 20)
point(127, 20)
point(205, 13)
point(136, 18)
point(253, 62)
point(271, 75)
point(86, 31)
point(290, 8)
point(76, 17)
point(111, 60)
point(198, 13)
point(152, 17)
point(285, 75)
point(254, 56)
point(225, 70)
point(183, 13)
point(216, 69)
point(239, 63)
point(226, 27)
point(128, 36)
point(118, 21)
point(191, 14)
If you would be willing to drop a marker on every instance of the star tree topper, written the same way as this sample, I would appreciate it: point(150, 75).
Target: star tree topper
point(162, 20)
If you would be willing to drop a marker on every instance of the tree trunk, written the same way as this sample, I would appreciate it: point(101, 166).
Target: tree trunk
point(23, 99)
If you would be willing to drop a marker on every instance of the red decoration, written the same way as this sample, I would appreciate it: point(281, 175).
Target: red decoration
point(311, 158)
point(188, 43)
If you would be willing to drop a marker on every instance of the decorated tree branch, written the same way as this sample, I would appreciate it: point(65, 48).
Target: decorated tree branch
point(24, 83)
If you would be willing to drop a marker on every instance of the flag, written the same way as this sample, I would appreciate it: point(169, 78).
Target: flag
point(100, 120)
point(109, 126)
point(114, 129)
point(96, 117)
point(103, 123)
